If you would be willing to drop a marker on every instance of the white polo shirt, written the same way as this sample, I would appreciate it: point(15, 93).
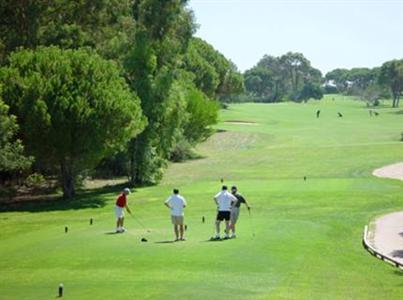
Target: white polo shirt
point(176, 202)
point(225, 199)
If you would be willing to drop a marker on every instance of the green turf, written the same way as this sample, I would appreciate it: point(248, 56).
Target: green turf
point(307, 242)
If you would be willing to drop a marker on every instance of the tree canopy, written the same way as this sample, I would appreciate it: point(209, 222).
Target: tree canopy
point(289, 76)
point(391, 75)
point(72, 106)
point(12, 156)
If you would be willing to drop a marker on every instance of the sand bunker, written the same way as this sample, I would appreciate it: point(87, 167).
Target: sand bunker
point(394, 171)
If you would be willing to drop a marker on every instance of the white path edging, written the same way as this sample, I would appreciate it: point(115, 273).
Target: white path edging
point(377, 254)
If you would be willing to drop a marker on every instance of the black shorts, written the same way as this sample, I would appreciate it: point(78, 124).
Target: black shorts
point(223, 215)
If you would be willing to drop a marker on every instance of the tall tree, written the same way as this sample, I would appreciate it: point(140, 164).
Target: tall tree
point(213, 73)
point(163, 30)
point(72, 106)
point(104, 25)
point(339, 77)
point(12, 156)
point(289, 76)
point(20, 22)
point(391, 75)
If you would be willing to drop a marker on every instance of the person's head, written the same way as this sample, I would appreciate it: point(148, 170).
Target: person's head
point(126, 191)
point(234, 189)
point(176, 191)
point(224, 188)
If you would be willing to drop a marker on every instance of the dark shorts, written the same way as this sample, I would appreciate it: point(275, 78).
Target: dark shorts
point(223, 215)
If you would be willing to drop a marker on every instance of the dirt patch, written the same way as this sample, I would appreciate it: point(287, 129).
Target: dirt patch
point(394, 171)
point(240, 122)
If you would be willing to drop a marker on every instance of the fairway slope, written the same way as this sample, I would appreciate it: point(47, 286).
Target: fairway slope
point(310, 185)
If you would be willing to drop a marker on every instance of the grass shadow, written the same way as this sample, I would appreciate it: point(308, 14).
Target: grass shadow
point(164, 242)
point(398, 272)
point(91, 198)
point(214, 240)
point(111, 233)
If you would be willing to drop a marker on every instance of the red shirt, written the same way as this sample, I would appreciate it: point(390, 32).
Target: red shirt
point(121, 201)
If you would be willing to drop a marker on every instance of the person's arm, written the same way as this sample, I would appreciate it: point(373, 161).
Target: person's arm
point(234, 200)
point(216, 198)
point(246, 203)
point(167, 203)
point(184, 203)
point(128, 208)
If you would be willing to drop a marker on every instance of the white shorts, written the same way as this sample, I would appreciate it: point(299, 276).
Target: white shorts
point(119, 212)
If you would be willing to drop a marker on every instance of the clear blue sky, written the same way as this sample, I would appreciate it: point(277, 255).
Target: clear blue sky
point(330, 33)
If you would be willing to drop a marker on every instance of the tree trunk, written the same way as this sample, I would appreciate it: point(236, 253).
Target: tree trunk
point(67, 179)
point(133, 163)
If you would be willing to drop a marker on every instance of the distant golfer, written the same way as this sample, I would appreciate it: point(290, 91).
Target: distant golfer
point(121, 204)
point(224, 201)
point(317, 113)
point(236, 208)
point(177, 203)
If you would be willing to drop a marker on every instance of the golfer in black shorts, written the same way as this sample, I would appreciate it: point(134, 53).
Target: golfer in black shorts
point(224, 201)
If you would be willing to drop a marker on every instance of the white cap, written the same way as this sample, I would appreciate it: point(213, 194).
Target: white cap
point(126, 190)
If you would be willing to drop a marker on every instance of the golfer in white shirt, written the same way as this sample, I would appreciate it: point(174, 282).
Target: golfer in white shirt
point(177, 203)
point(224, 201)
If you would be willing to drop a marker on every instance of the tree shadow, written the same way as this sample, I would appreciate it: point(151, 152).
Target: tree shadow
point(89, 198)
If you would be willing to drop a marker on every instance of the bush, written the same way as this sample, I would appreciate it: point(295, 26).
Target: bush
point(34, 180)
point(182, 151)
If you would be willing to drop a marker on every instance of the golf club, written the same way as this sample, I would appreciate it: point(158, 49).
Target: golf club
point(140, 223)
point(143, 239)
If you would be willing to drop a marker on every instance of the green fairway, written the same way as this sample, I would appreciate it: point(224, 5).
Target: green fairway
point(307, 242)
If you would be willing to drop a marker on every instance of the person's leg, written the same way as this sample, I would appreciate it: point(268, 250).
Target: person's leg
point(181, 231)
point(227, 227)
point(117, 224)
point(234, 219)
point(176, 232)
point(217, 227)
point(122, 219)
point(232, 222)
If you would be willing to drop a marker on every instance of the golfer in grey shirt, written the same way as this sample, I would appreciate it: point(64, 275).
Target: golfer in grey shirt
point(236, 208)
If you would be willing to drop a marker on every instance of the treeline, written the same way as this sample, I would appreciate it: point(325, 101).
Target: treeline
point(109, 87)
point(289, 77)
point(369, 84)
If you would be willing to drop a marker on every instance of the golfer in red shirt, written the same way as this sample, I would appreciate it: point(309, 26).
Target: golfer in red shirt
point(121, 204)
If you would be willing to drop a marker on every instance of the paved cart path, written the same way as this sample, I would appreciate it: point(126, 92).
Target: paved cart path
point(387, 237)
